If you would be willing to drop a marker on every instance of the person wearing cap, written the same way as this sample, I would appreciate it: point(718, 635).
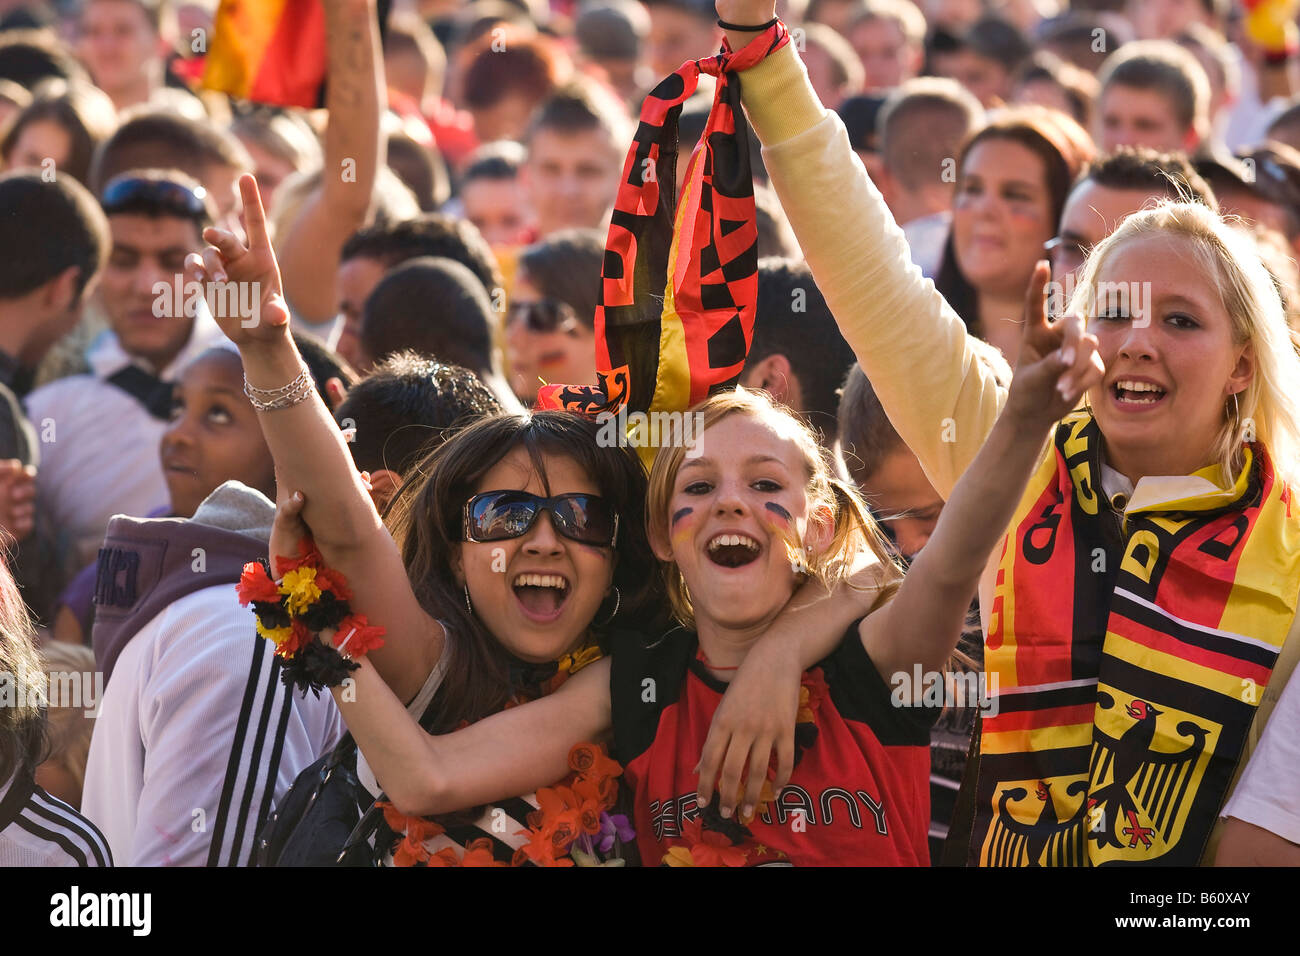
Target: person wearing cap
point(100, 431)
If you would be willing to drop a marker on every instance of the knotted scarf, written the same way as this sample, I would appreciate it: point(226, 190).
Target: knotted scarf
point(1129, 655)
point(678, 287)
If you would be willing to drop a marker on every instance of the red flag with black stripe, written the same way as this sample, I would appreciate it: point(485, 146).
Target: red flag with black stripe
point(676, 309)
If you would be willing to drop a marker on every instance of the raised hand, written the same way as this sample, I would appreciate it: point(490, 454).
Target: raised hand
point(235, 273)
point(17, 498)
point(1058, 360)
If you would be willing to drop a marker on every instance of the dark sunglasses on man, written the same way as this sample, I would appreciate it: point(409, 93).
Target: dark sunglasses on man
point(500, 515)
point(127, 194)
point(543, 315)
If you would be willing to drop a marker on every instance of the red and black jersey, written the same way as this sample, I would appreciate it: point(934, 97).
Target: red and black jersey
point(858, 796)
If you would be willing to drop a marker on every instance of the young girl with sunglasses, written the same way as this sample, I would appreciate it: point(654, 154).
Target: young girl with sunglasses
point(737, 528)
point(485, 599)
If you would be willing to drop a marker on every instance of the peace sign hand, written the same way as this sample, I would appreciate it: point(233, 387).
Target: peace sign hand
point(242, 282)
point(1058, 361)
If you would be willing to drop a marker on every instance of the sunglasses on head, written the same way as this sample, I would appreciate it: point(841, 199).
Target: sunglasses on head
point(134, 194)
point(499, 515)
point(544, 315)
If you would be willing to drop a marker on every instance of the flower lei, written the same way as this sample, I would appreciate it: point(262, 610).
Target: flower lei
point(712, 840)
point(572, 827)
point(308, 600)
point(573, 823)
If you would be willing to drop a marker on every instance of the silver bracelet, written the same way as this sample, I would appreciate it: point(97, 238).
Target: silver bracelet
point(286, 396)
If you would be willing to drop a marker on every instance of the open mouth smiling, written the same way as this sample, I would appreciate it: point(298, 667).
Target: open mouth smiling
point(733, 550)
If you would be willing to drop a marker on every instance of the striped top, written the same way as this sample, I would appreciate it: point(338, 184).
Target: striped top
point(197, 738)
point(38, 830)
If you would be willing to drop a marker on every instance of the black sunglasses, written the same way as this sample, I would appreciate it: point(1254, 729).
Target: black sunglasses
point(543, 315)
point(499, 515)
point(133, 194)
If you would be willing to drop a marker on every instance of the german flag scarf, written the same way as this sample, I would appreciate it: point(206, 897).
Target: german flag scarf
point(1130, 654)
point(676, 309)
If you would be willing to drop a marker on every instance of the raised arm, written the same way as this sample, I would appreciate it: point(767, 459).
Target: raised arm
point(512, 752)
point(310, 454)
point(924, 620)
point(910, 343)
point(354, 152)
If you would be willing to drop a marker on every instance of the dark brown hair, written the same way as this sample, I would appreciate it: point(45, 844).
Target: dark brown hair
point(83, 112)
point(1064, 148)
point(426, 521)
point(566, 266)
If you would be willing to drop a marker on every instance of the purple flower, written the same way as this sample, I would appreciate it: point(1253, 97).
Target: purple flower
point(613, 827)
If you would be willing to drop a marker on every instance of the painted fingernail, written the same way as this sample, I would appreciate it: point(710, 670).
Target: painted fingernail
point(1067, 355)
point(1064, 390)
point(726, 813)
point(219, 276)
point(747, 814)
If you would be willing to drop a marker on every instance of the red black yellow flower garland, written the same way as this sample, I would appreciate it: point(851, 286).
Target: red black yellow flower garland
point(309, 600)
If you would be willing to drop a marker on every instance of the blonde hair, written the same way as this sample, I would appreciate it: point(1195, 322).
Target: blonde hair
point(1255, 310)
point(22, 723)
point(855, 529)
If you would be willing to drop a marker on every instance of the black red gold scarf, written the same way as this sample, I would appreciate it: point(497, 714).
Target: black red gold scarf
point(1129, 660)
point(678, 288)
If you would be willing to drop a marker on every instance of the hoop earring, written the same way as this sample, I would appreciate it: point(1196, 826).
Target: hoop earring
point(469, 607)
point(618, 600)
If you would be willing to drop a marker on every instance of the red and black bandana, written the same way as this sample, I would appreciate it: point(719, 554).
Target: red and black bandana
point(676, 310)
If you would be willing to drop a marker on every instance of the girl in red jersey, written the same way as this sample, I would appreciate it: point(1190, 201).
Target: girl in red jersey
point(738, 523)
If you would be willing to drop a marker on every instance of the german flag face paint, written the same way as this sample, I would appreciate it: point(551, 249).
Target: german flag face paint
point(684, 524)
point(782, 525)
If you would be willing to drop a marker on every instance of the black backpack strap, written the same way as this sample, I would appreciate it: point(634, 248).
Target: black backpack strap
point(151, 392)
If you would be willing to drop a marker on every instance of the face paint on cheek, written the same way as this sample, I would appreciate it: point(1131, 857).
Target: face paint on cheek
point(780, 512)
point(684, 523)
point(782, 525)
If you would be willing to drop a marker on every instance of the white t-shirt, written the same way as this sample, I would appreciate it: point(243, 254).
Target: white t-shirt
point(99, 445)
point(38, 830)
point(1268, 793)
point(197, 738)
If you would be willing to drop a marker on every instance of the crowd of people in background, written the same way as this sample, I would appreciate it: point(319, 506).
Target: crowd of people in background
point(436, 234)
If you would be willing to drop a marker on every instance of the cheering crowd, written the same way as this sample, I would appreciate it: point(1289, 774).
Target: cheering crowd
point(968, 538)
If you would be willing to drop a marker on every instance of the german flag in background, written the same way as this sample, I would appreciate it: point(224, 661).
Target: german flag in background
point(268, 51)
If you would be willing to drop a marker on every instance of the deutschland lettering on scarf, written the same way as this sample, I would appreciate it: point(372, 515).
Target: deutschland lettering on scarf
point(1130, 654)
